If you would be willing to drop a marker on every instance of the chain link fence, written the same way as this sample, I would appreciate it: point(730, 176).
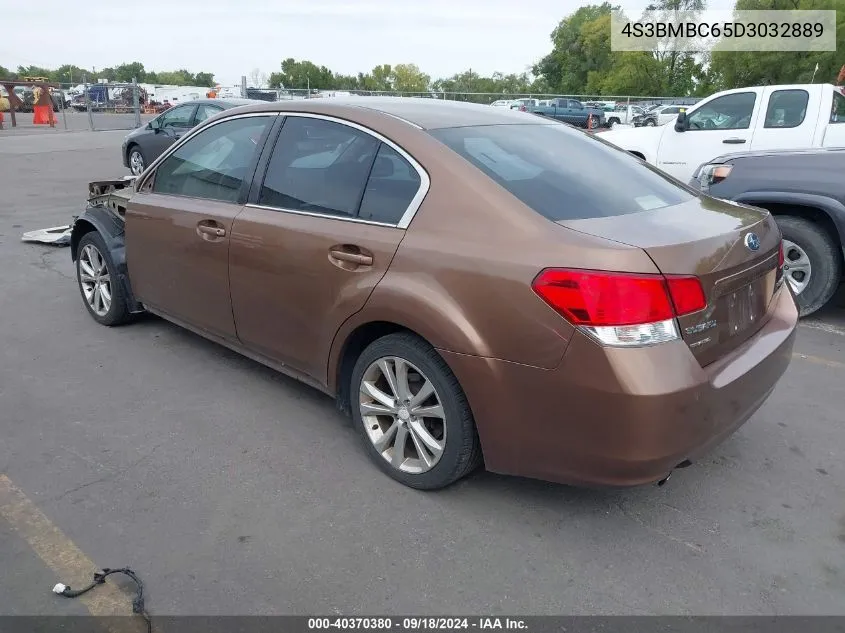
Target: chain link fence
point(85, 107)
point(126, 106)
point(476, 97)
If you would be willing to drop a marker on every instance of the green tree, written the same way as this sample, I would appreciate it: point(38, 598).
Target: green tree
point(5, 73)
point(302, 74)
point(34, 71)
point(104, 73)
point(380, 78)
point(582, 62)
point(68, 74)
point(126, 72)
point(204, 79)
point(409, 78)
point(736, 69)
point(346, 82)
point(567, 67)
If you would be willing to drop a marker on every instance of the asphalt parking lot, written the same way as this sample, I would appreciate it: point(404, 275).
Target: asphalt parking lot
point(233, 490)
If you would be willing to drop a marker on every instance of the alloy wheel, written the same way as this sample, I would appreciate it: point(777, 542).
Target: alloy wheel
point(95, 280)
point(402, 414)
point(136, 163)
point(797, 267)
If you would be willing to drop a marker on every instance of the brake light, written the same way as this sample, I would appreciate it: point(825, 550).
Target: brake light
point(621, 308)
point(687, 294)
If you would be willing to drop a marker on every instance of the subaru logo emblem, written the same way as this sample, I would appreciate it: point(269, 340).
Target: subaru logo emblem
point(752, 242)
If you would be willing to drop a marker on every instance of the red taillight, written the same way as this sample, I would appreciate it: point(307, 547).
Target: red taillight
point(600, 299)
point(687, 294)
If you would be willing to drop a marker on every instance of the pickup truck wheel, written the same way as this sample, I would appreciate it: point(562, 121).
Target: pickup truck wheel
point(612, 122)
point(99, 283)
point(812, 263)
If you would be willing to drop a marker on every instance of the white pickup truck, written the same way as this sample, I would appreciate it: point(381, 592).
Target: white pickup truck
point(623, 114)
point(743, 119)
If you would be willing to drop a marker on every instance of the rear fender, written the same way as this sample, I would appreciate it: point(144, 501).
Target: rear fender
point(111, 229)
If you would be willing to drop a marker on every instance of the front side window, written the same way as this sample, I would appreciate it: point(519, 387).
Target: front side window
point(318, 166)
point(215, 163)
point(787, 108)
point(837, 112)
point(562, 173)
point(729, 112)
point(180, 116)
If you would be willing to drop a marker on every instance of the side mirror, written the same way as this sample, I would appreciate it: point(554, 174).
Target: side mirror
point(155, 124)
point(681, 121)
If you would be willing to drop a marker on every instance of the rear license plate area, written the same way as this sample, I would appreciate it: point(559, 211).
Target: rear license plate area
point(745, 307)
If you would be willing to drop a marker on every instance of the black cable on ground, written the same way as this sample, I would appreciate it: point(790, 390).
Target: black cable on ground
point(99, 579)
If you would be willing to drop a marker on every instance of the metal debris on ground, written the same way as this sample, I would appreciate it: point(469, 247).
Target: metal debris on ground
point(57, 236)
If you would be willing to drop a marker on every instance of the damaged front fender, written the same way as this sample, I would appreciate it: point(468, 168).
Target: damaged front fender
point(105, 213)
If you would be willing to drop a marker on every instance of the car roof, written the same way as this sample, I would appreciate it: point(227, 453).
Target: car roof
point(428, 114)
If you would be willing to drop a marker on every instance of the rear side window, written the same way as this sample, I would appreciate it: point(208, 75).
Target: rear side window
point(214, 163)
point(318, 166)
point(837, 112)
point(787, 108)
point(392, 186)
point(562, 173)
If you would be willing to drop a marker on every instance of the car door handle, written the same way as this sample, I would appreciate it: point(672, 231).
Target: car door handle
point(352, 258)
point(214, 231)
point(734, 141)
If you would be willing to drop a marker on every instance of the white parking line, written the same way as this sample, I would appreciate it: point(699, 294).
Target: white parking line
point(824, 327)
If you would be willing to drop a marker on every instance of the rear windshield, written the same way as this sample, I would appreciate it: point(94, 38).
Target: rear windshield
point(562, 173)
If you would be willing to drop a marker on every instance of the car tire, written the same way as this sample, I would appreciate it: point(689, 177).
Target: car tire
point(650, 123)
point(807, 240)
point(612, 122)
point(452, 427)
point(137, 155)
point(92, 256)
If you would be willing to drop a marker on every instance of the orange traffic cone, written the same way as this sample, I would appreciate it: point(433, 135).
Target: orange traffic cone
point(41, 114)
point(590, 121)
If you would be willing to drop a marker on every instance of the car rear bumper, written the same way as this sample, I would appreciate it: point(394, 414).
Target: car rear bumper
point(621, 417)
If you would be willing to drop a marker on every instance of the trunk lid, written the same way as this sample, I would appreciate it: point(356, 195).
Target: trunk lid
point(707, 238)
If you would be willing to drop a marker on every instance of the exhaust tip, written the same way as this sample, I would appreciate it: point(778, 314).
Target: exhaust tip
point(663, 481)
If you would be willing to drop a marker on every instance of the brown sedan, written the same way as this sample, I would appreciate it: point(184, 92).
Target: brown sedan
point(467, 281)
